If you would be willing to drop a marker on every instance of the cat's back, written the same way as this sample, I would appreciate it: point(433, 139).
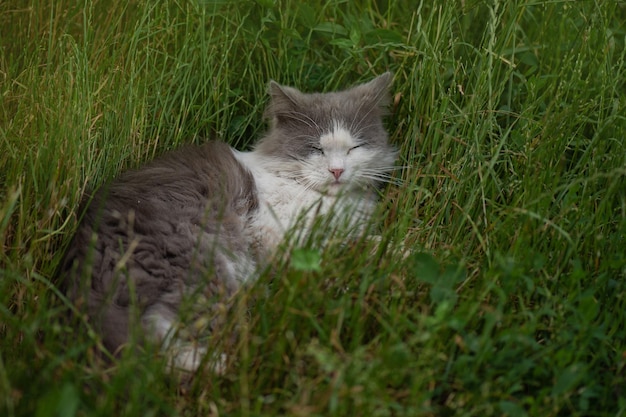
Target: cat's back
point(149, 222)
point(175, 187)
point(181, 179)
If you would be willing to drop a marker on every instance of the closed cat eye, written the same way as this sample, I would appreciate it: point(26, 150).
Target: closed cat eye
point(317, 149)
point(355, 147)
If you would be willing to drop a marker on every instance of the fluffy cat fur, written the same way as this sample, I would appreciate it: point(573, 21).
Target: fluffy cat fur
point(161, 248)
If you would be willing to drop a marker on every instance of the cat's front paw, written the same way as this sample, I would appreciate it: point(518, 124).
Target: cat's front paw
point(190, 359)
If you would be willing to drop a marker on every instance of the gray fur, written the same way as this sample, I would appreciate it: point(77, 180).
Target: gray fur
point(167, 230)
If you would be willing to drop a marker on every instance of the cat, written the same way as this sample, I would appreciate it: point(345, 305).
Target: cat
point(165, 247)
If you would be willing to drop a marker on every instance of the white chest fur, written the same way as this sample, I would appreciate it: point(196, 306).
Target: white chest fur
point(285, 203)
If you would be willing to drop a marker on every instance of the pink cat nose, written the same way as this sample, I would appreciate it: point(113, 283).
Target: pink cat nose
point(336, 172)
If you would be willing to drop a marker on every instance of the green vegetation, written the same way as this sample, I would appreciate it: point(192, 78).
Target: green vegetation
point(499, 285)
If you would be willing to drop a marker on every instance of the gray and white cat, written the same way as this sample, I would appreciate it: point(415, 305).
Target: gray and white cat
point(189, 229)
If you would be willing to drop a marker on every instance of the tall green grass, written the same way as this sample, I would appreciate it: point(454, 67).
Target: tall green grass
point(498, 284)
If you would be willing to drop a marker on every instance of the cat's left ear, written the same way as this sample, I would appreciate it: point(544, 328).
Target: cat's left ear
point(377, 90)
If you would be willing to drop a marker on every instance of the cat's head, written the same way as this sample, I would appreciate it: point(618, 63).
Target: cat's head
point(330, 142)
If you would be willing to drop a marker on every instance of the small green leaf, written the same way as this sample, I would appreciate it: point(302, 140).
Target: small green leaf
point(266, 3)
point(512, 409)
point(306, 15)
point(331, 27)
point(439, 293)
point(529, 58)
point(63, 401)
point(383, 36)
point(355, 35)
point(569, 379)
point(342, 43)
point(426, 268)
point(306, 260)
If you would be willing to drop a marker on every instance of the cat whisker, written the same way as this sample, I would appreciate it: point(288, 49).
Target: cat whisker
point(385, 180)
point(379, 175)
point(382, 175)
point(310, 183)
point(380, 168)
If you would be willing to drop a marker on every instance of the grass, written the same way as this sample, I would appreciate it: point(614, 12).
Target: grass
point(499, 285)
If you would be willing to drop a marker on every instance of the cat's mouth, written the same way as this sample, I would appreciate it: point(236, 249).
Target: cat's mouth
point(334, 187)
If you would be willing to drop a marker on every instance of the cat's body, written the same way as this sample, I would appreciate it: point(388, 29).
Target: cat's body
point(186, 231)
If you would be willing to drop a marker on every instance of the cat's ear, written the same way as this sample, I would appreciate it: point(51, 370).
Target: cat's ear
point(376, 92)
point(283, 100)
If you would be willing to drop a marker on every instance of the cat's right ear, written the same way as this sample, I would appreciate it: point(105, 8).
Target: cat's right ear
point(283, 100)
